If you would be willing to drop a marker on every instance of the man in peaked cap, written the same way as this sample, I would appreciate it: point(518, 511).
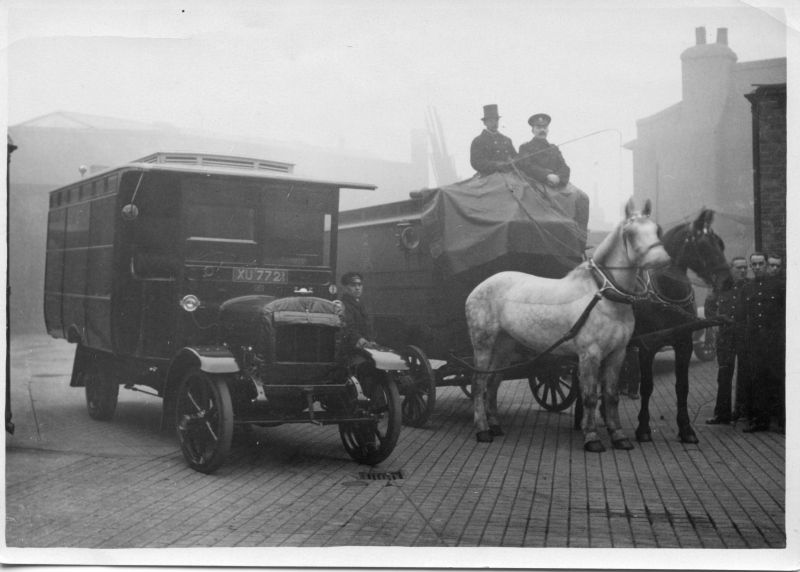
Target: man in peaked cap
point(539, 159)
point(491, 151)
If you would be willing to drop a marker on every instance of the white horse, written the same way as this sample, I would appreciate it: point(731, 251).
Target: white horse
point(512, 308)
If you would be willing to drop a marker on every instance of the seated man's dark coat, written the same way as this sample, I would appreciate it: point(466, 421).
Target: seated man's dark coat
point(538, 158)
point(490, 152)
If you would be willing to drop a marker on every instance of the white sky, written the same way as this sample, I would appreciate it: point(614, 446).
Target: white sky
point(361, 74)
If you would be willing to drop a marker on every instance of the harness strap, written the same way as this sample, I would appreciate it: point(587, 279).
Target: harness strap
point(608, 288)
point(652, 286)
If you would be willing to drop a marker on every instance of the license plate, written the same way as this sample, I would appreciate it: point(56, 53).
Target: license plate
point(261, 275)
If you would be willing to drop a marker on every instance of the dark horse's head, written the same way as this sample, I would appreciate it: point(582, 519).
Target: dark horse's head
point(694, 245)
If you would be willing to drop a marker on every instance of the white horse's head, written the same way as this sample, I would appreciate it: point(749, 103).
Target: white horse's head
point(641, 237)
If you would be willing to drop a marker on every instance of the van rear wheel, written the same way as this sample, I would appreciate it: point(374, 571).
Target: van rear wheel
point(101, 393)
point(204, 420)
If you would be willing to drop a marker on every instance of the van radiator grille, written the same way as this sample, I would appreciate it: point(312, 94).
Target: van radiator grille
point(305, 343)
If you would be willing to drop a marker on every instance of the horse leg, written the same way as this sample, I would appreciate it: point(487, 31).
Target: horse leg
point(683, 355)
point(479, 383)
point(491, 406)
point(578, 413)
point(503, 348)
point(610, 372)
point(643, 433)
point(589, 365)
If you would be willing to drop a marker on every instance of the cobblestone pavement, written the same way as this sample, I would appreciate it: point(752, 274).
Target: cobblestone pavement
point(75, 482)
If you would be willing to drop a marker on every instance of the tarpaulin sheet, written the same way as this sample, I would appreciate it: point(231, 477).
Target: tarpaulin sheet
point(475, 221)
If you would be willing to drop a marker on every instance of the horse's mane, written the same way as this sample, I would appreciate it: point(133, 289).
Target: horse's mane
point(673, 237)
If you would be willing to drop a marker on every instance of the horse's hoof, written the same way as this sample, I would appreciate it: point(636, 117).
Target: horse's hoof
point(644, 437)
point(496, 430)
point(624, 444)
point(689, 437)
point(484, 436)
point(594, 446)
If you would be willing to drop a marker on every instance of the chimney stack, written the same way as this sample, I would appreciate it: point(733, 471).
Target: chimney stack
point(722, 36)
point(700, 35)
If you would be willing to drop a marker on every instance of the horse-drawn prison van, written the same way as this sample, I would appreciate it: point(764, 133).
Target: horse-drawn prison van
point(210, 280)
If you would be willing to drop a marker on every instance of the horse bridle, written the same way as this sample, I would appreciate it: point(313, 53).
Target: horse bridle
point(691, 241)
point(609, 287)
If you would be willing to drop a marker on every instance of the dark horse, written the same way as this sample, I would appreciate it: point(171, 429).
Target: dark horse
point(671, 306)
point(667, 315)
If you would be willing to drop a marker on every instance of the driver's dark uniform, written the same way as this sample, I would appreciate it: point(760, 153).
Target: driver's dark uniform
point(539, 158)
point(357, 323)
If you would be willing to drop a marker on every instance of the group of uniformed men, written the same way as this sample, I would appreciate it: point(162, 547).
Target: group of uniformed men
point(754, 335)
point(492, 152)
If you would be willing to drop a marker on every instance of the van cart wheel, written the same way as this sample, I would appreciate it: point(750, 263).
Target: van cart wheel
point(420, 395)
point(555, 389)
point(706, 348)
point(101, 394)
point(370, 442)
point(204, 420)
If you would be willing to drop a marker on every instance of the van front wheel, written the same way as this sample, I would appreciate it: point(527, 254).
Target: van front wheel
point(204, 420)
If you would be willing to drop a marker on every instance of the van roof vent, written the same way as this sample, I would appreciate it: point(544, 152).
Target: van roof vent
point(223, 161)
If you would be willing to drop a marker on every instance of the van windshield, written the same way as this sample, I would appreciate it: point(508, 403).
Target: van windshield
point(250, 222)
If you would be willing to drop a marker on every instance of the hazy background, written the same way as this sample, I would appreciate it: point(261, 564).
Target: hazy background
point(361, 75)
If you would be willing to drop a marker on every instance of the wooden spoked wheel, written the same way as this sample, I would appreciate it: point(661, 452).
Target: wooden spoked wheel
point(556, 388)
point(370, 442)
point(204, 420)
point(419, 396)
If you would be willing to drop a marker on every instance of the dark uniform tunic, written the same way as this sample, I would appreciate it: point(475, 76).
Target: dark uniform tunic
point(538, 158)
point(357, 323)
point(729, 341)
point(761, 312)
point(489, 152)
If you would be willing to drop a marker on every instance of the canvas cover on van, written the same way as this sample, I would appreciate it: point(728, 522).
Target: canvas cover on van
point(473, 222)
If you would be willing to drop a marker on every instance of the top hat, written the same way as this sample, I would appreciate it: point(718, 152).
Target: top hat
point(540, 119)
point(490, 111)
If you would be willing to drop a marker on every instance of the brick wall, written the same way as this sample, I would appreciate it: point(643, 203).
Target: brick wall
point(769, 161)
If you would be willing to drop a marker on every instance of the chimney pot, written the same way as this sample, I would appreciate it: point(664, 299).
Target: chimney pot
point(722, 36)
point(700, 35)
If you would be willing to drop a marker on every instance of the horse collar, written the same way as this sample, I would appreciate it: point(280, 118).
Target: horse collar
point(609, 288)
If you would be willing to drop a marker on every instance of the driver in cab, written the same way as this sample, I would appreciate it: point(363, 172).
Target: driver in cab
point(357, 323)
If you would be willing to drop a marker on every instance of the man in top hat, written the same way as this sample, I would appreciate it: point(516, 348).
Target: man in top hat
point(491, 151)
point(541, 160)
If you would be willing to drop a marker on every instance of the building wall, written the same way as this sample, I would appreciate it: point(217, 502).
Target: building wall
point(698, 152)
point(769, 141)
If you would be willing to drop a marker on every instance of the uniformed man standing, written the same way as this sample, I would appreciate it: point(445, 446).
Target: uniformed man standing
point(491, 151)
point(723, 304)
point(541, 160)
point(759, 311)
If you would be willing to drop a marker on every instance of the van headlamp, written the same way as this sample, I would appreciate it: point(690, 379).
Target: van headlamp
point(190, 302)
point(332, 289)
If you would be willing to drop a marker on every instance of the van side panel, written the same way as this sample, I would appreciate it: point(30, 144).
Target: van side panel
point(99, 267)
point(75, 255)
point(78, 270)
point(54, 272)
